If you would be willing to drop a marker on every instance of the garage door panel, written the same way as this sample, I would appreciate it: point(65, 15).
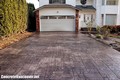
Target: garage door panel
point(57, 24)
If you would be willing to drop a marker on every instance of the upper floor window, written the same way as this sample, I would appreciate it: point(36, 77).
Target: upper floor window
point(57, 1)
point(110, 2)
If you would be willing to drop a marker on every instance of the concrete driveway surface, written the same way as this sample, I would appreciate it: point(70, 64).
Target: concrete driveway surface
point(61, 56)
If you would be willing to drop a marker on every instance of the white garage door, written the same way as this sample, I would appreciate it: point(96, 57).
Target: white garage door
point(57, 23)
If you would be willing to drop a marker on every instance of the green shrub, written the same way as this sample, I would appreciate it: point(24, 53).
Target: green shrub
point(105, 31)
point(99, 36)
point(14, 17)
point(89, 26)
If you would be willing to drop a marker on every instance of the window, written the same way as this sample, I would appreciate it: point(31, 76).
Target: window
point(57, 1)
point(52, 17)
point(61, 17)
point(84, 18)
point(112, 2)
point(111, 19)
point(103, 2)
point(70, 17)
point(102, 17)
point(44, 17)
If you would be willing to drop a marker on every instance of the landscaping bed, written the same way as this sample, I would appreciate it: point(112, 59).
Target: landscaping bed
point(114, 42)
point(6, 41)
point(107, 34)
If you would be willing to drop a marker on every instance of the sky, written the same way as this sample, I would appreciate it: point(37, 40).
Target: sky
point(35, 2)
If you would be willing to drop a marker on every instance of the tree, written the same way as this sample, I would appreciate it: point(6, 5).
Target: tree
point(31, 18)
point(13, 17)
point(83, 2)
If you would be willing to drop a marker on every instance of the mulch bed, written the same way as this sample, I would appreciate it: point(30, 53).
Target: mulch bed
point(6, 41)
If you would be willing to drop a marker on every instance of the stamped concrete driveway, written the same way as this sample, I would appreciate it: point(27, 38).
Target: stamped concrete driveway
point(61, 56)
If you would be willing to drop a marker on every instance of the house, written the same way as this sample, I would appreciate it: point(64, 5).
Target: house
point(71, 15)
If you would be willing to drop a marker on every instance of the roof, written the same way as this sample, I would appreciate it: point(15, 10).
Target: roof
point(85, 7)
point(78, 7)
point(56, 6)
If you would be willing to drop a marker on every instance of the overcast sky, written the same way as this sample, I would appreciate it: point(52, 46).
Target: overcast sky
point(35, 2)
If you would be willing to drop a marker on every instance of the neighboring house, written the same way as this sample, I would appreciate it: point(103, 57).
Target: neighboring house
point(71, 15)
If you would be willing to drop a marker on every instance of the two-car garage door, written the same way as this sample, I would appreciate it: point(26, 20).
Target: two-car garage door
point(57, 23)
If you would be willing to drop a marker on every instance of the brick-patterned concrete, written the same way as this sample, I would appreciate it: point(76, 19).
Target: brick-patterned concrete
point(61, 56)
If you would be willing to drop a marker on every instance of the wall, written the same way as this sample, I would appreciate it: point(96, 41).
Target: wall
point(45, 2)
point(71, 2)
point(100, 9)
point(118, 16)
point(106, 9)
point(57, 11)
point(109, 9)
point(98, 12)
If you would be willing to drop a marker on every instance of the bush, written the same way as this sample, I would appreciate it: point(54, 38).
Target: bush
point(105, 31)
point(99, 36)
point(113, 29)
point(13, 17)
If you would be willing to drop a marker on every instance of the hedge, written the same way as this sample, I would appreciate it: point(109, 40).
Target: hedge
point(13, 17)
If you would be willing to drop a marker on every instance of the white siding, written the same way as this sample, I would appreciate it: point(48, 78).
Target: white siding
point(57, 11)
point(71, 2)
point(106, 9)
point(109, 9)
point(43, 2)
point(118, 16)
point(98, 12)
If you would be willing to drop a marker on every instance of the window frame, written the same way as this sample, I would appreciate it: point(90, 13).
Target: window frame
point(57, 1)
point(44, 17)
point(70, 17)
point(52, 17)
point(113, 17)
point(111, 2)
point(61, 17)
